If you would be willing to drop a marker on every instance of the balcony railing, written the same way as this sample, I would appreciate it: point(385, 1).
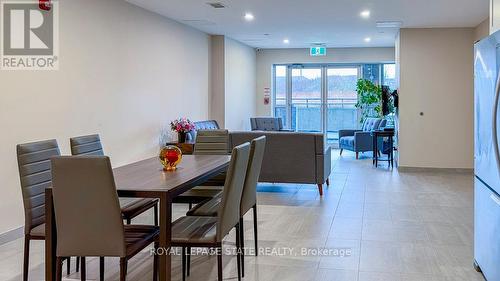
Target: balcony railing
point(306, 115)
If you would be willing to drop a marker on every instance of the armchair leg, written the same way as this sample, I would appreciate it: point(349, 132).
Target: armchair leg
point(328, 181)
point(320, 188)
point(357, 155)
point(341, 150)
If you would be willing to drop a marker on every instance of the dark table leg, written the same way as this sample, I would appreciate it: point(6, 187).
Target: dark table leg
point(50, 237)
point(165, 266)
point(391, 153)
point(376, 151)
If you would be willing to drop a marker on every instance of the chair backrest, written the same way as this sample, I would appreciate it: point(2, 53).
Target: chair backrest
point(266, 124)
point(249, 196)
point(202, 125)
point(86, 145)
point(371, 124)
point(33, 160)
point(212, 142)
point(87, 210)
point(229, 209)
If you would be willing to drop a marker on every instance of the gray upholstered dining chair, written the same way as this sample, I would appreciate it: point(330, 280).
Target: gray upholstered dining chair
point(35, 175)
point(193, 231)
point(91, 146)
point(88, 214)
point(208, 142)
point(248, 198)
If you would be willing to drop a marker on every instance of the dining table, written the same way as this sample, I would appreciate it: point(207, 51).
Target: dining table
point(146, 179)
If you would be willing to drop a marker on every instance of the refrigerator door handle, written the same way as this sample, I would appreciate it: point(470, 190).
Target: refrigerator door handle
point(495, 113)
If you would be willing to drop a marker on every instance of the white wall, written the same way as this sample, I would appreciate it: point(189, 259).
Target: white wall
point(233, 67)
point(124, 72)
point(240, 75)
point(217, 82)
point(268, 57)
point(436, 78)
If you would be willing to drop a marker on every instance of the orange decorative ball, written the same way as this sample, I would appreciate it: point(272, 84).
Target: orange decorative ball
point(170, 156)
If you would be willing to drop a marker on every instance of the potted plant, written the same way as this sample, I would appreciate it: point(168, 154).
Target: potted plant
point(369, 99)
point(182, 126)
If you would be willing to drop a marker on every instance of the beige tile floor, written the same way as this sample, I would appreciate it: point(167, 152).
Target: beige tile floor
point(392, 227)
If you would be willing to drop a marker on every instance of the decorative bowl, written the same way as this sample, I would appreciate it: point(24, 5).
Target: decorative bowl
point(170, 156)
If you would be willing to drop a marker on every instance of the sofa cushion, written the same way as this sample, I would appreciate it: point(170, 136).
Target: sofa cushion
point(266, 124)
point(371, 124)
point(347, 141)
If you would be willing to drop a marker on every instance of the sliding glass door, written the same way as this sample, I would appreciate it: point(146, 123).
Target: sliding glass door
point(306, 99)
point(316, 98)
point(341, 98)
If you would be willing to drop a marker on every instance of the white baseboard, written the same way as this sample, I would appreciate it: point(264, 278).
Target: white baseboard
point(11, 235)
point(407, 169)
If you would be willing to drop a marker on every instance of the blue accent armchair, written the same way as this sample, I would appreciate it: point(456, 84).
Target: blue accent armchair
point(360, 140)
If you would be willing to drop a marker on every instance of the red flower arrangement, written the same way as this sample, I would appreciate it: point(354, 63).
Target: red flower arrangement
point(182, 125)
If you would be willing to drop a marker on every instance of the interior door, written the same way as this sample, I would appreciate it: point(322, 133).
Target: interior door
point(306, 99)
point(341, 98)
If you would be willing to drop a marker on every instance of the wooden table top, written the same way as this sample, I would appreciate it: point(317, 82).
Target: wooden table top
point(147, 179)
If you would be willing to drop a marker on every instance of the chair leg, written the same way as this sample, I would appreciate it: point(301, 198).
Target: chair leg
point(357, 155)
point(101, 268)
point(183, 263)
point(255, 229)
point(83, 274)
point(219, 263)
point(123, 269)
point(59, 262)
point(238, 245)
point(341, 150)
point(328, 181)
point(241, 250)
point(68, 266)
point(188, 261)
point(129, 220)
point(155, 263)
point(155, 214)
point(77, 264)
point(26, 257)
point(320, 188)
point(190, 205)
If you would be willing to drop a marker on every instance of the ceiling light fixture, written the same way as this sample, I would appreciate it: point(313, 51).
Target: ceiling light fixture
point(368, 39)
point(365, 14)
point(286, 41)
point(249, 17)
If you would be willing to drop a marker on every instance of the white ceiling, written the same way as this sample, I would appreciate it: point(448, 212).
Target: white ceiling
point(334, 22)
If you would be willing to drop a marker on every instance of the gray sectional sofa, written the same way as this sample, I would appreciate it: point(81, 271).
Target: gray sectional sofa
point(291, 157)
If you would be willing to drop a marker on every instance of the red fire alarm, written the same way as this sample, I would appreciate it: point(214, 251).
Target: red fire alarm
point(44, 5)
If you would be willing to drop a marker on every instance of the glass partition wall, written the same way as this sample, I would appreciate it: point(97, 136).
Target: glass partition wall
point(322, 98)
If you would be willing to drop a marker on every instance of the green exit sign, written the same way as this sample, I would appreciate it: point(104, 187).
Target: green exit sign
point(317, 51)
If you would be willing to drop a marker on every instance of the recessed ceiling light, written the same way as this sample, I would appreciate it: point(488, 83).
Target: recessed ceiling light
point(368, 39)
point(286, 41)
point(249, 17)
point(365, 14)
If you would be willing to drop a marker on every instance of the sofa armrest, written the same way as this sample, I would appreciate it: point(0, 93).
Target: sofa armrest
point(323, 165)
point(346, 133)
point(363, 141)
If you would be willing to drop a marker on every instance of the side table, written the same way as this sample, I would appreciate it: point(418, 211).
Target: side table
point(187, 147)
point(390, 156)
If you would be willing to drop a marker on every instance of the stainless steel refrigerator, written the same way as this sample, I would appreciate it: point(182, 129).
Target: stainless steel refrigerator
point(487, 157)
